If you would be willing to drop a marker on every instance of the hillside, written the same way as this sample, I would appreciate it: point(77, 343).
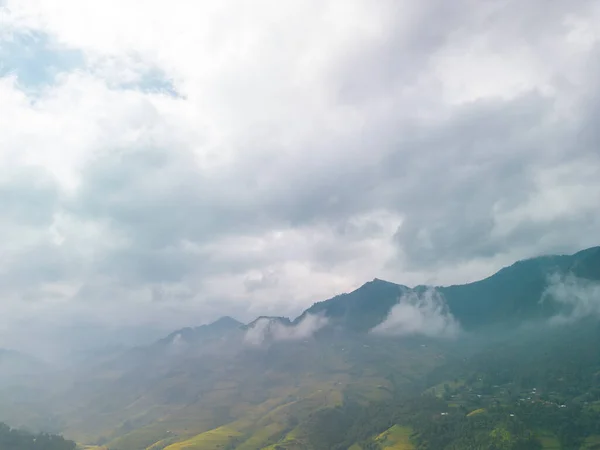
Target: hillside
point(511, 295)
point(270, 383)
point(362, 309)
point(203, 333)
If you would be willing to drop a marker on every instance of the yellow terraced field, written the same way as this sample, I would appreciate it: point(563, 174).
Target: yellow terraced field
point(396, 438)
point(210, 440)
point(475, 412)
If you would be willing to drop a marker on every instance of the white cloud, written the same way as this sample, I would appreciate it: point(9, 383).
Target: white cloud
point(579, 298)
point(299, 149)
point(266, 329)
point(257, 333)
point(420, 313)
point(302, 330)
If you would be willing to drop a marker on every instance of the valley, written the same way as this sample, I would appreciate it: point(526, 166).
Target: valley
point(503, 363)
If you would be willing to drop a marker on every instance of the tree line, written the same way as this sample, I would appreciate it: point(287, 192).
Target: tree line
point(14, 439)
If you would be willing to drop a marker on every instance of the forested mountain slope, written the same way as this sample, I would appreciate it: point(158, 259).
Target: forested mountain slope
point(512, 295)
point(326, 380)
point(12, 439)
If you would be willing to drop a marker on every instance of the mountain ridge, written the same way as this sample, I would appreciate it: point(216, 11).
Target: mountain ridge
point(515, 289)
point(228, 383)
point(222, 324)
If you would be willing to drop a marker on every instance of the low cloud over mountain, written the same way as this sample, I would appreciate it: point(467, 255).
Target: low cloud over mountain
point(420, 313)
point(266, 329)
point(579, 297)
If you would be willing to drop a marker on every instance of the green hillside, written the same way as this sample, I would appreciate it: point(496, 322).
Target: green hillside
point(511, 295)
point(341, 386)
point(362, 309)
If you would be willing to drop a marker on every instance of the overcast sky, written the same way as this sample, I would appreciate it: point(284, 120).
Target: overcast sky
point(165, 163)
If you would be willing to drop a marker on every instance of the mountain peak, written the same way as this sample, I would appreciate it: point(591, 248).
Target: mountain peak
point(380, 282)
point(271, 319)
point(225, 322)
point(217, 328)
point(361, 309)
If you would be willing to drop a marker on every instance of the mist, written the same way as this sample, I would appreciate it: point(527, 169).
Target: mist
point(265, 329)
point(420, 313)
point(578, 297)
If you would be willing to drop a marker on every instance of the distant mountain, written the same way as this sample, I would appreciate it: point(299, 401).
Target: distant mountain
point(266, 330)
point(215, 337)
point(362, 309)
point(215, 329)
point(260, 385)
point(511, 295)
point(586, 264)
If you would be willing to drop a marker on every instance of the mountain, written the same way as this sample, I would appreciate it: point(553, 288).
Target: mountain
point(323, 380)
point(512, 295)
point(587, 264)
point(360, 310)
point(213, 330)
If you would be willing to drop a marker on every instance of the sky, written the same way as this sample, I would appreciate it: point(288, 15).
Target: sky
point(166, 163)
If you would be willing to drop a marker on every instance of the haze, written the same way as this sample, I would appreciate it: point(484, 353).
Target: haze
point(165, 164)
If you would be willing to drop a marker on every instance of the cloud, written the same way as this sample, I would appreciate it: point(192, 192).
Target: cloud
point(163, 167)
point(177, 345)
point(578, 298)
point(257, 333)
point(420, 313)
point(267, 329)
point(302, 330)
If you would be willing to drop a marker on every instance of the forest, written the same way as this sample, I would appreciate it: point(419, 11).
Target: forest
point(528, 393)
point(14, 439)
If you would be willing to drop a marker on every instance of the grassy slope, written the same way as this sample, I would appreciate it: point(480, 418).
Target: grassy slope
point(212, 439)
point(396, 438)
point(270, 407)
point(269, 424)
